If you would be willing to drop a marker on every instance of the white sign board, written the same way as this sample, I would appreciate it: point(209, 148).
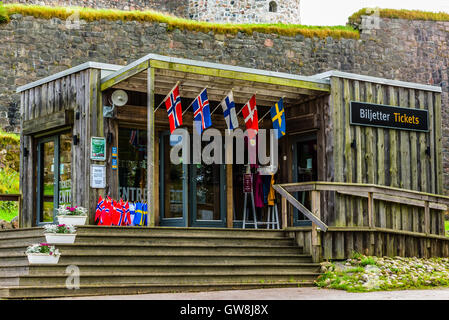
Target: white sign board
point(97, 176)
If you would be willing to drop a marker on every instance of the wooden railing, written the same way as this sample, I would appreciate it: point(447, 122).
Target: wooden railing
point(369, 191)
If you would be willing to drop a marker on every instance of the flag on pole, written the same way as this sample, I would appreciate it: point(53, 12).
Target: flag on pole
point(201, 112)
point(174, 109)
point(229, 113)
point(278, 118)
point(250, 115)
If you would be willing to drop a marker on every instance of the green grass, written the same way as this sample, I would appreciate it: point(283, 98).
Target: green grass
point(4, 16)
point(87, 14)
point(446, 227)
point(356, 19)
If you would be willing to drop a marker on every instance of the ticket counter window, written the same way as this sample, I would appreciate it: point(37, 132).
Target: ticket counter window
point(54, 185)
point(132, 164)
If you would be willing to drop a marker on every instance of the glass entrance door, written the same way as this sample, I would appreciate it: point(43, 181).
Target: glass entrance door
point(304, 170)
point(54, 185)
point(173, 185)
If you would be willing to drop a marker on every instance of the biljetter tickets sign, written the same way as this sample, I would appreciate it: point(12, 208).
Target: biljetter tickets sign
point(377, 115)
point(98, 148)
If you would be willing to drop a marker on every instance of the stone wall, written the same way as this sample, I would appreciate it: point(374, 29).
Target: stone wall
point(245, 11)
point(175, 7)
point(416, 51)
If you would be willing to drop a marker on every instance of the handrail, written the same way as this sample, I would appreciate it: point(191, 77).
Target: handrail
point(357, 188)
point(312, 217)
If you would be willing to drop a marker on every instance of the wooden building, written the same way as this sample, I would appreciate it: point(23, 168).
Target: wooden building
point(343, 183)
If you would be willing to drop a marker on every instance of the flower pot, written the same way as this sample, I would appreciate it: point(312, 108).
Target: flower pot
point(60, 238)
point(72, 220)
point(42, 258)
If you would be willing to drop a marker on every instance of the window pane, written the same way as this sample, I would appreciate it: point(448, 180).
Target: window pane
point(65, 169)
point(132, 161)
point(48, 179)
point(208, 192)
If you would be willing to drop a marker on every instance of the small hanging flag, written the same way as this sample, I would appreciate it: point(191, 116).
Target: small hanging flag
point(201, 112)
point(174, 109)
point(250, 115)
point(229, 113)
point(278, 118)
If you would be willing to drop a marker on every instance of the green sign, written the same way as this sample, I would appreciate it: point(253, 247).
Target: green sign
point(98, 148)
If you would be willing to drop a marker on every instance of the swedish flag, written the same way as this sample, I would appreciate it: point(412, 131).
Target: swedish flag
point(278, 118)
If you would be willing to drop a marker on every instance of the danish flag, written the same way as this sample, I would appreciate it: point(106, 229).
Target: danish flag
point(174, 109)
point(250, 115)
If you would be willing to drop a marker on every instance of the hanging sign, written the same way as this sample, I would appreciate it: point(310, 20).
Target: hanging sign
point(97, 176)
point(98, 148)
point(377, 115)
point(114, 164)
point(247, 183)
point(114, 152)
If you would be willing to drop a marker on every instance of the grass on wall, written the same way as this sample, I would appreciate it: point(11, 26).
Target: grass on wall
point(356, 19)
point(88, 14)
point(4, 16)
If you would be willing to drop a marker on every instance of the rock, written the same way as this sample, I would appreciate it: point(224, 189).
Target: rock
point(15, 223)
point(371, 268)
point(4, 225)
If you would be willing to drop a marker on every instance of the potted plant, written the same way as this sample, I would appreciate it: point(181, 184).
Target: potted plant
point(74, 216)
point(59, 233)
point(42, 253)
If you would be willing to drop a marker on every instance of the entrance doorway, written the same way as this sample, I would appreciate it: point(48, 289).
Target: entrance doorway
point(304, 170)
point(190, 194)
point(54, 172)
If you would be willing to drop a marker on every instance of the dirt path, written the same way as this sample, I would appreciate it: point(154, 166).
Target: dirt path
point(288, 294)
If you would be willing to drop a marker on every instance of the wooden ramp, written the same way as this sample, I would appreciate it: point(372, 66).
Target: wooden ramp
point(116, 260)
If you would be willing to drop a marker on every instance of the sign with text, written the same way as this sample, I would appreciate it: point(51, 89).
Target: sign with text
point(377, 115)
point(98, 148)
point(97, 176)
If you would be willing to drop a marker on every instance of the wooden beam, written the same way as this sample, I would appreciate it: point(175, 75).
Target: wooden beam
point(150, 149)
point(56, 120)
point(229, 197)
point(125, 75)
point(308, 87)
point(284, 212)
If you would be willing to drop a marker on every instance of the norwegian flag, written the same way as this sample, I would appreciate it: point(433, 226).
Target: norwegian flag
point(174, 109)
point(99, 209)
point(250, 115)
point(127, 217)
point(201, 112)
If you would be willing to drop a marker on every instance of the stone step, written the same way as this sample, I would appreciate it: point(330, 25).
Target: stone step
point(45, 291)
point(168, 279)
point(20, 233)
point(223, 232)
point(22, 242)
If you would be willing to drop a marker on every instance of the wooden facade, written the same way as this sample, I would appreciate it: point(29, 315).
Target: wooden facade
point(317, 107)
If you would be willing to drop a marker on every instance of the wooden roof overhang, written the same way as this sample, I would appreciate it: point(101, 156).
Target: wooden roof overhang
point(219, 79)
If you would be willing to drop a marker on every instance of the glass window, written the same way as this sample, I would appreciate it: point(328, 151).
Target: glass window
point(132, 164)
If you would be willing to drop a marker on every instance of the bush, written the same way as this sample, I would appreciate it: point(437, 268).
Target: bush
point(4, 16)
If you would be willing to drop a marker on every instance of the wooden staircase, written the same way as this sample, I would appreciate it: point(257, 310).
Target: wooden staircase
point(131, 260)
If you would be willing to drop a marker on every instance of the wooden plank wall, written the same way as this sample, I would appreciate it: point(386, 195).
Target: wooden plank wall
point(395, 158)
point(77, 92)
point(372, 243)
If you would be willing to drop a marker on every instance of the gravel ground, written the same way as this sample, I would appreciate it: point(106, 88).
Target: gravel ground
point(286, 294)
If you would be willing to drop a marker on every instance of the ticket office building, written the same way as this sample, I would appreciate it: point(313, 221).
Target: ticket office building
point(324, 141)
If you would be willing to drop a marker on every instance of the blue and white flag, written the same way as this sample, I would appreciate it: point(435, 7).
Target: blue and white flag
point(201, 112)
point(230, 116)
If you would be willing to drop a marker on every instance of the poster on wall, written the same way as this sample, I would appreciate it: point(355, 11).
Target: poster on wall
point(98, 148)
point(97, 176)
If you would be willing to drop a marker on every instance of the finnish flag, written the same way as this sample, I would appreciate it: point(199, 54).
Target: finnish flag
point(228, 106)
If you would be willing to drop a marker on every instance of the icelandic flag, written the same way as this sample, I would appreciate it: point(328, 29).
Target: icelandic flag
point(174, 109)
point(229, 113)
point(278, 118)
point(250, 115)
point(201, 112)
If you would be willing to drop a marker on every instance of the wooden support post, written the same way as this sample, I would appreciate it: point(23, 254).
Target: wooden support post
point(370, 210)
point(150, 147)
point(229, 198)
point(426, 218)
point(315, 238)
point(284, 212)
